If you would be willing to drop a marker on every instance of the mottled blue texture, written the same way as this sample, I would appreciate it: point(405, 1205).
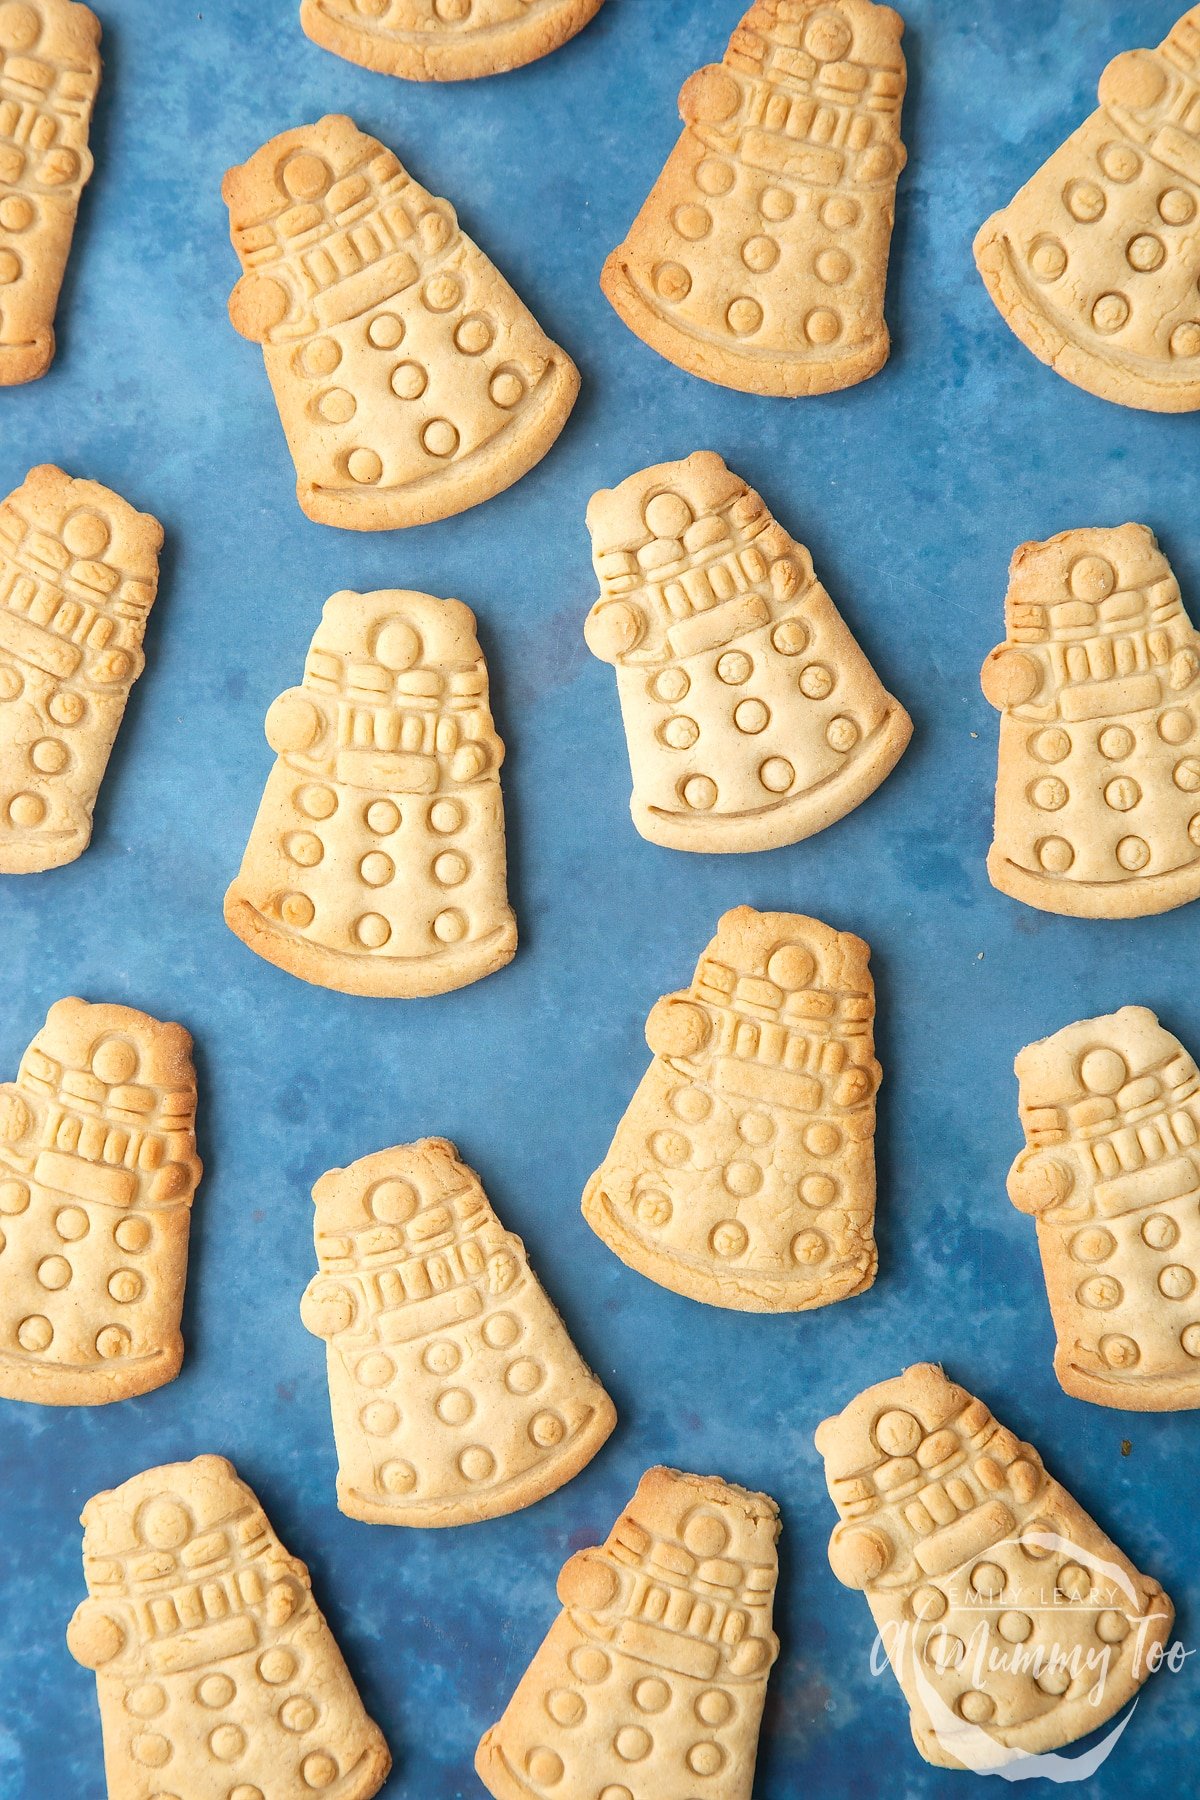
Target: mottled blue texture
point(911, 492)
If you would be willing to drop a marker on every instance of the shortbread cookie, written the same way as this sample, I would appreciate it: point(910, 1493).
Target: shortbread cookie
point(49, 78)
point(752, 717)
point(743, 1173)
point(98, 1168)
point(760, 258)
point(1012, 1623)
point(377, 861)
point(218, 1677)
point(651, 1681)
point(457, 1394)
point(1098, 687)
point(444, 40)
point(410, 379)
point(1111, 1171)
point(78, 576)
point(1094, 264)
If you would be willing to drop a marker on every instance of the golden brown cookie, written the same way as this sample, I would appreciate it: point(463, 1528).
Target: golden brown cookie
point(1094, 263)
point(217, 1675)
point(410, 379)
point(457, 1394)
point(651, 1681)
point(49, 78)
point(1012, 1623)
point(444, 40)
point(1110, 1171)
point(98, 1168)
point(1098, 688)
point(752, 717)
point(376, 864)
point(743, 1173)
point(78, 576)
point(760, 258)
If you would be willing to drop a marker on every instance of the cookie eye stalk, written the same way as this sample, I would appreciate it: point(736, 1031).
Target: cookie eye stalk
point(588, 1581)
point(1010, 678)
point(1183, 669)
point(294, 722)
point(15, 1116)
point(1037, 1183)
point(1133, 79)
point(859, 1554)
point(709, 97)
point(256, 306)
point(677, 1027)
point(613, 629)
point(327, 1308)
point(94, 1636)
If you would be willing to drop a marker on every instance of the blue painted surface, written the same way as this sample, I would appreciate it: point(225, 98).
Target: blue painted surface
point(911, 492)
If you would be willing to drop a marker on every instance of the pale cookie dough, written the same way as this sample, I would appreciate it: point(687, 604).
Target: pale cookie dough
point(752, 717)
point(1094, 264)
point(217, 1675)
point(1111, 1172)
point(98, 1168)
point(457, 1394)
point(743, 1173)
point(1098, 688)
point(49, 78)
point(444, 40)
point(410, 379)
point(1012, 1623)
point(377, 862)
point(651, 1681)
point(760, 258)
point(78, 576)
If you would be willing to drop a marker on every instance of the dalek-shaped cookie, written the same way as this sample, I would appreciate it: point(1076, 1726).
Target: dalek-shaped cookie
point(217, 1675)
point(743, 1172)
point(652, 1679)
point(752, 716)
point(1111, 1172)
point(456, 1392)
point(376, 864)
point(1098, 687)
point(760, 258)
point(1012, 1623)
point(1094, 263)
point(444, 40)
point(78, 576)
point(98, 1167)
point(49, 78)
point(411, 381)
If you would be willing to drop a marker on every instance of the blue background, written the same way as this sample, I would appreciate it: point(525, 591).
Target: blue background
point(911, 491)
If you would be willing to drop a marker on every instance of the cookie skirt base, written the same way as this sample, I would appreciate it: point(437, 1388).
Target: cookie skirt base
point(791, 818)
point(748, 371)
point(495, 466)
point(62, 1384)
point(423, 56)
point(1134, 899)
point(1167, 1393)
point(497, 1773)
point(413, 978)
point(1046, 1734)
point(20, 363)
point(1124, 381)
point(739, 1290)
point(34, 853)
point(367, 1776)
point(509, 1497)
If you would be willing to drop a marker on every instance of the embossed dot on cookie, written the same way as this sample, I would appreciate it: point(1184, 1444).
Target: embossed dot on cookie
point(364, 466)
